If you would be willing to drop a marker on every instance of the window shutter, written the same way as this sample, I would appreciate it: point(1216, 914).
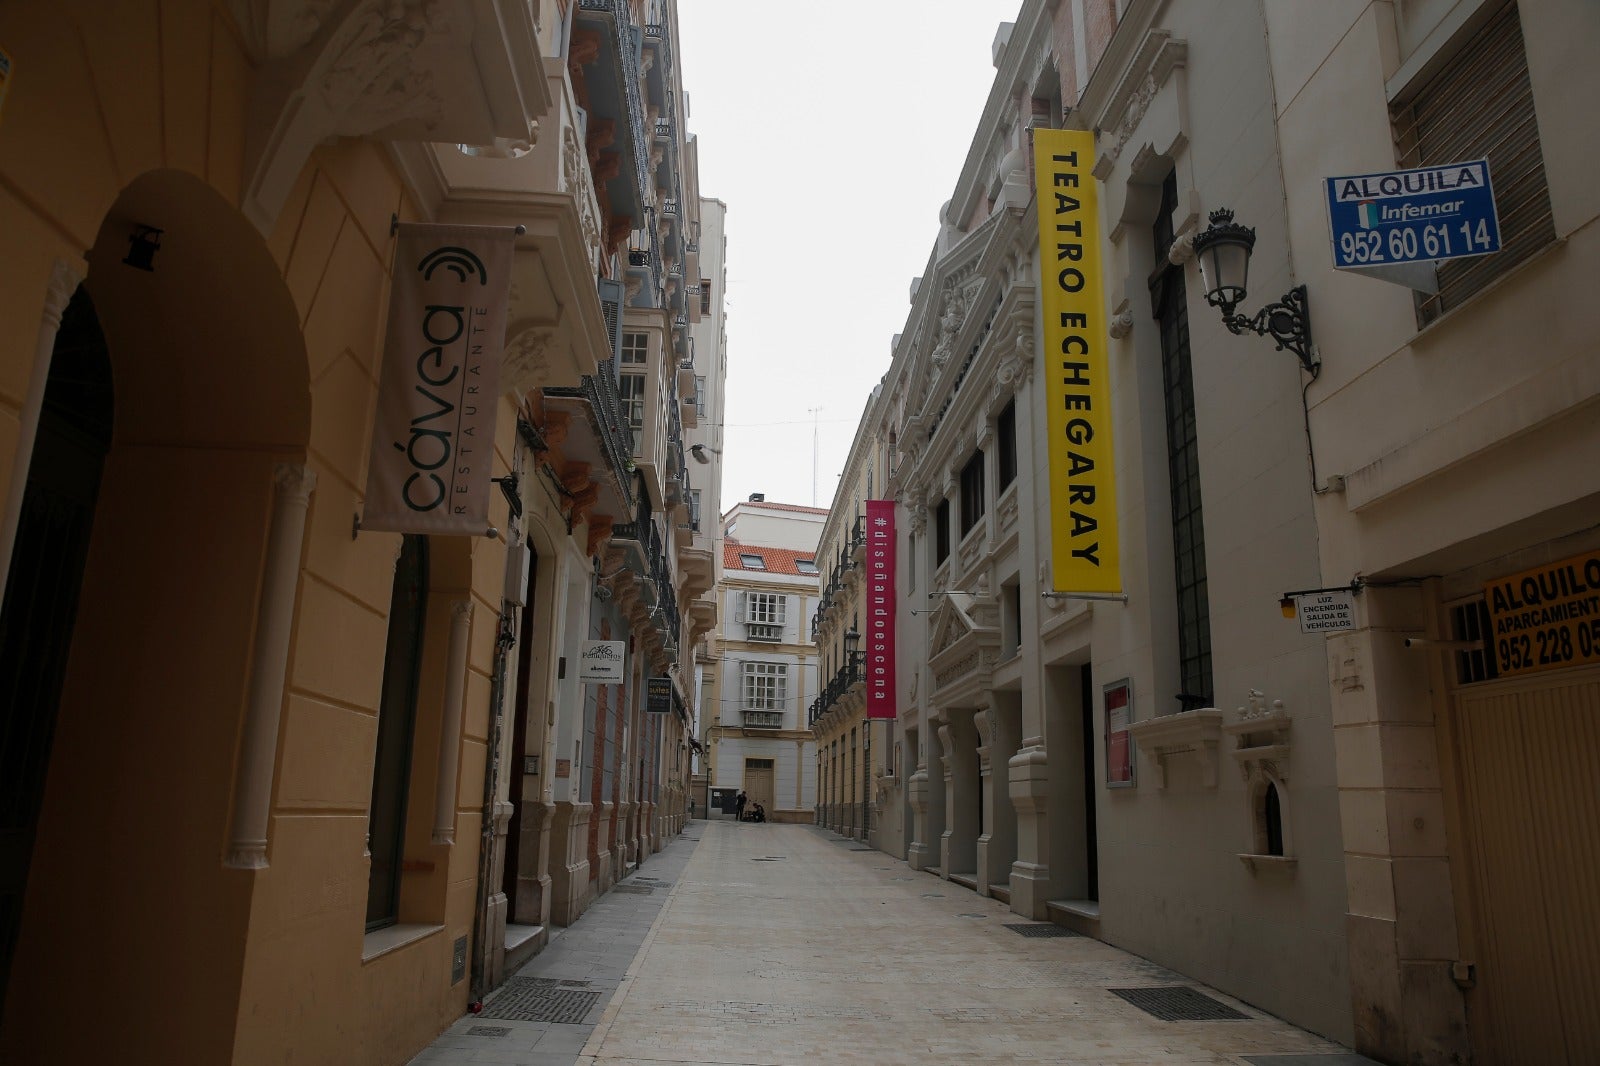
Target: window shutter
point(739, 606)
point(611, 309)
point(1480, 105)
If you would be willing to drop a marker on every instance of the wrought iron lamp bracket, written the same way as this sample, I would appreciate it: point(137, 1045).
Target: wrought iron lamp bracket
point(1287, 322)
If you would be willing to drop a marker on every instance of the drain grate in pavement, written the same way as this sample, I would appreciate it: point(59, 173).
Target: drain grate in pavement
point(537, 999)
point(637, 890)
point(770, 858)
point(1039, 929)
point(1178, 1003)
point(900, 879)
point(972, 914)
point(932, 895)
point(489, 1030)
point(863, 848)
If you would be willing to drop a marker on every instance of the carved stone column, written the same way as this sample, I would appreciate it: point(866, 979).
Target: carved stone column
point(919, 853)
point(1029, 771)
point(983, 722)
point(258, 748)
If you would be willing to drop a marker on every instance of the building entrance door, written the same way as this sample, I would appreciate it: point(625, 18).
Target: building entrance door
point(759, 784)
point(1525, 756)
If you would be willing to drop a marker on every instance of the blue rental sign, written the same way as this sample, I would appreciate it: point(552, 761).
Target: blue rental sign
point(1412, 216)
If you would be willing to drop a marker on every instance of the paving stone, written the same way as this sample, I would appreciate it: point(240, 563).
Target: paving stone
point(819, 958)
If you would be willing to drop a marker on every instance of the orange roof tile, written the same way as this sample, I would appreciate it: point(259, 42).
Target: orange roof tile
point(778, 560)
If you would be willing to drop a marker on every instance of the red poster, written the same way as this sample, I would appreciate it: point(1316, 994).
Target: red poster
point(880, 609)
point(1119, 741)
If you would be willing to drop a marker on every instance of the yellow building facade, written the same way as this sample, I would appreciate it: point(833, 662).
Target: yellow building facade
point(202, 649)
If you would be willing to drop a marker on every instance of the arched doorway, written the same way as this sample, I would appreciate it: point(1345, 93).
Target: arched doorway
point(42, 588)
point(211, 396)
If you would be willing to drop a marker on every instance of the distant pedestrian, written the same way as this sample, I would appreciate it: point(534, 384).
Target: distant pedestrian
point(738, 804)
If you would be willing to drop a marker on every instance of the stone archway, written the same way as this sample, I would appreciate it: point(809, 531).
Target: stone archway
point(212, 407)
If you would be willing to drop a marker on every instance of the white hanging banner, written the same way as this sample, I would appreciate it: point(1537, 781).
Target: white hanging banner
point(433, 439)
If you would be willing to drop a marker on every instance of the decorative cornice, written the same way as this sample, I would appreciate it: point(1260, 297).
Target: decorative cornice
point(1158, 55)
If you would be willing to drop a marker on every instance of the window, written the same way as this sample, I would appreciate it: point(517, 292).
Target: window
point(911, 562)
point(631, 389)
point(635, 349)
point(1480, 105)
point(1006, 432)
point(806, 566)
point(764, 615)
point(971, 492)
point(694, 510)
point(397, 713)
point(700, 394)
point(941, 532)
point(1183, 464)
point(752, 562)
point(705, 296)
point(1272, 817)
point(766, 686)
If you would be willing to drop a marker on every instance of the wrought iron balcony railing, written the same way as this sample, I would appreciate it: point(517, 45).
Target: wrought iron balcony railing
point(616, 436)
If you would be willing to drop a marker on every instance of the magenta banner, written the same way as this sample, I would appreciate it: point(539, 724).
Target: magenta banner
point(880, 609)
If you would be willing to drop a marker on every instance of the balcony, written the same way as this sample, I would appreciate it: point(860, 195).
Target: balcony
point(847, 682)
point(556, 331)
point(608, 443)
point(762, 719)
point(328, 70)
point(605, 51)
point(763, 631)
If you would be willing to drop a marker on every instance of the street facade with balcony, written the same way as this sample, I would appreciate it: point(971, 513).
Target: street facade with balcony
point(853, 754)
point(755, 737)
point(360, 750)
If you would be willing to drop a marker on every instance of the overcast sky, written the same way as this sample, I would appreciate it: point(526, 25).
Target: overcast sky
point(834, 131)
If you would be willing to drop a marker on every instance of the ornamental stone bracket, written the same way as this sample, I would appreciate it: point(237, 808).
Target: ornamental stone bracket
point(459, 71)
point(1158, 55)
point(1194, 733)
point(964, 644)
point(1261, 734)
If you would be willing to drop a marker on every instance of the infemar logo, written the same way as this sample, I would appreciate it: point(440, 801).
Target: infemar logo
point(459, 261)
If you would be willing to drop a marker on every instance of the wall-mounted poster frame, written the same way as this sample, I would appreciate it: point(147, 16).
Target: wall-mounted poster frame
point(1120, 762)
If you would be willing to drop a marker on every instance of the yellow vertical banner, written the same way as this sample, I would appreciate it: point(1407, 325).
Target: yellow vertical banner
point(1083, 497)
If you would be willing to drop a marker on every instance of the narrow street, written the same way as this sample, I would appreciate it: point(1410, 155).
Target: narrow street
point(780, 944)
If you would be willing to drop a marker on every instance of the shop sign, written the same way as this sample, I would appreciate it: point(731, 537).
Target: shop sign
point(1546, 618)
point(602, 662)
point(1397, 224)
point(1326, 610)
point(658, 695)
point(880, 609)
point(1119, 736)
point(1083, 500)
point(433, 438)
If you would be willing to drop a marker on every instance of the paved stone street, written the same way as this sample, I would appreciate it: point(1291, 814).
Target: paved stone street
point(778, 944)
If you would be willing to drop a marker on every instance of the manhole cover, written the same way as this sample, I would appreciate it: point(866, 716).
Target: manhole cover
point(1177, 1003)
point(488, 1030)
point(972, 915)
point(535, 999)
point(637, 890)
point(1038, 929)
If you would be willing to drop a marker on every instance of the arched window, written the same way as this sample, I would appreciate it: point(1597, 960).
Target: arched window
point(1272, 816)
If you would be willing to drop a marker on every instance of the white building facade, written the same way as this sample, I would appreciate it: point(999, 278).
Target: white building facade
point(758, 740)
